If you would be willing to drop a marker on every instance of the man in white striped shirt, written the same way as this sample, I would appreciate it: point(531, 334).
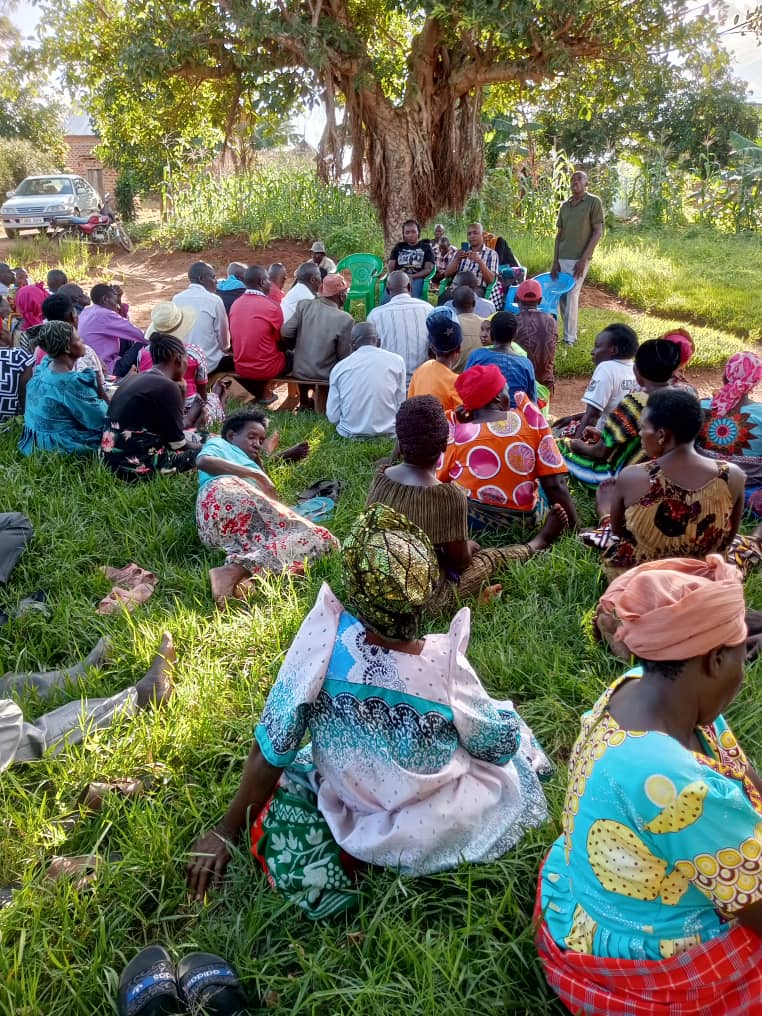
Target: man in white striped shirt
point(401, 323)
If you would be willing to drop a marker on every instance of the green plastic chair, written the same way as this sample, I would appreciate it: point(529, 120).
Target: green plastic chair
point(365, 269)
point(424, 291)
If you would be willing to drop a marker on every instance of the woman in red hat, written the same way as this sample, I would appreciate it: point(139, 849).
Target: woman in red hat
point(498, 454)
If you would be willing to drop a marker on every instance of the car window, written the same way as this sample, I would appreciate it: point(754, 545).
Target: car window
point(44, 185)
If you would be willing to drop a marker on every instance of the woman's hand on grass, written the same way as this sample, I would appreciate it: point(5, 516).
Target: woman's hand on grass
point(299, 451)
point(209, 859)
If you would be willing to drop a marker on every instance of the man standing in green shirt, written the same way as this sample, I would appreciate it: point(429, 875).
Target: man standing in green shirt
point(580, 227)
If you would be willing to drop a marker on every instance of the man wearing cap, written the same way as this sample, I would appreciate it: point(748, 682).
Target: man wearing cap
point(210, 332)
point(306, 287)
point(537, 332)
point(401, 323)
point(320, 334)
point(324, 263)
point(367, 388)
point(579, 228)
point(230, 288)
point(436, 377)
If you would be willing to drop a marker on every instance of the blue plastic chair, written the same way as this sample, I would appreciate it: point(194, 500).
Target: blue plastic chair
point(553, 290)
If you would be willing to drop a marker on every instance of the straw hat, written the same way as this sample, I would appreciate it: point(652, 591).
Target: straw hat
point(167, 317)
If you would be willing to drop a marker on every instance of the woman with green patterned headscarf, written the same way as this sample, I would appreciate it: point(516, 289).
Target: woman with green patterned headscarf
point(412, 765)
point(63, 410)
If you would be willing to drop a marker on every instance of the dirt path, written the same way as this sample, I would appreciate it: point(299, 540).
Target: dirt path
point(151, 274)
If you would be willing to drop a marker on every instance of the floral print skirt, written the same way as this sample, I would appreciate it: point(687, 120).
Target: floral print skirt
point(139, 455)
point(256, 532)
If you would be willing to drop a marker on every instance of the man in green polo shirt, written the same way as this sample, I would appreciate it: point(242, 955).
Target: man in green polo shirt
point(580, 227)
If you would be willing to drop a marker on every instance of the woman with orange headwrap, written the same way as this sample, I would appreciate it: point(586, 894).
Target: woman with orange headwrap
point(733, 423)
point(651, 899)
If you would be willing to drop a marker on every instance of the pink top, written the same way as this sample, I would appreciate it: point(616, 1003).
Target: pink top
point(195, 375)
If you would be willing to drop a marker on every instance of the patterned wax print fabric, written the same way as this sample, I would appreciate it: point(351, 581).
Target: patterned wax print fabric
point(140, 454)
point(661, 846)
point(671, 521)
point(499, 462)
point(736, 436)
point(256, 531)
point(13, 363)
point(417, 768)
point(620, 435)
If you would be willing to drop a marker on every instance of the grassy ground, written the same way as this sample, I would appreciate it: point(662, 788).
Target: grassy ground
point(447, 945)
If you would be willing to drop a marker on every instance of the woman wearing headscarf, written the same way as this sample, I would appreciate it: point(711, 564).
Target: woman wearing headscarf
point(650, 901)
point(29, 300)
point(63, 410)
point(617, 443)
point(411, 488)
point(732, 428)
point(411, 766)
point(679, 503)
point(498, 455)
point(682, 338)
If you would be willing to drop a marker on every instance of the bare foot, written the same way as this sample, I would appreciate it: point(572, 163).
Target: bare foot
point(224, 580)
point(490, 593)
point(555, 524)
point(156, 687)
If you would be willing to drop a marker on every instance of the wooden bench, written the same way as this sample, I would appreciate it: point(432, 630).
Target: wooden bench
point(319, 386)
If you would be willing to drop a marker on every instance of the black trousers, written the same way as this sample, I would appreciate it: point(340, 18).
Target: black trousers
point(15, 532)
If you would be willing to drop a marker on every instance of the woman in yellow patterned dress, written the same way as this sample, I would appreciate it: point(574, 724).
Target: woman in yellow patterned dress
point(651, 899)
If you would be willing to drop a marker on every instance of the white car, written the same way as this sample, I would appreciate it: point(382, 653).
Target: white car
point(39, 199)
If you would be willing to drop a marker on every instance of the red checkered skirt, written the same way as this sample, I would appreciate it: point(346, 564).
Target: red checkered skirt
point(722, 977)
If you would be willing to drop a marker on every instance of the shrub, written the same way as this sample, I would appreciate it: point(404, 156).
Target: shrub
point(124, 192)
point(19, 159)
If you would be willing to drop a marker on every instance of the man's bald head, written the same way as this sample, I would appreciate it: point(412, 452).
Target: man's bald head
point(397, 283)
point(364, 334)
point(237, 270)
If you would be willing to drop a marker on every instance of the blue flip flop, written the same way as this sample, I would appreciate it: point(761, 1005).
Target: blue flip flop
point(148, 986)
point(208, 984)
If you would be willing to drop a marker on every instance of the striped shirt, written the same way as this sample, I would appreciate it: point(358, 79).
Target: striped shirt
point(401, 327)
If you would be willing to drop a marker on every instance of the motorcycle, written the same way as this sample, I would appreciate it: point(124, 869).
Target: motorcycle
point(102, 228)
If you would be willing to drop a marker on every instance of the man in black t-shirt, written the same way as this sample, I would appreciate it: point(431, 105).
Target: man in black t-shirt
point(413, 256)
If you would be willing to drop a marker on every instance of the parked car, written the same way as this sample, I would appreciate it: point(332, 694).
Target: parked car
point(39, 199)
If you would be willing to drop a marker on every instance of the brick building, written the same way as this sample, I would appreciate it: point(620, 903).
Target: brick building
point(81, 140)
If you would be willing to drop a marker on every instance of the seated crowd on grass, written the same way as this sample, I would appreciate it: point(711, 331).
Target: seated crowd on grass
point(652, 895)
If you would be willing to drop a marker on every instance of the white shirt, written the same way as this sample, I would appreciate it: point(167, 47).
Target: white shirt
point(297, 292)
point(401, 327)
point(365, 391)
point(611, 381)
point(210, 331)
point(327, 265)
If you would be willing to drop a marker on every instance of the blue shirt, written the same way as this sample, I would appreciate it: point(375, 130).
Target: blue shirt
point(222, 449)
point(517, 370)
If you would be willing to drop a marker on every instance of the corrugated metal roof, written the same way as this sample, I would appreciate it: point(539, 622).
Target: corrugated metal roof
point(79, 124)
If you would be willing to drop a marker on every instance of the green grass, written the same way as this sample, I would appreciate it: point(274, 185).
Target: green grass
point(456, 943)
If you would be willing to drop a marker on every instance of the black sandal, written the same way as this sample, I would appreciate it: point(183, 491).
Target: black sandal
point(148, 986)
point(209, 984)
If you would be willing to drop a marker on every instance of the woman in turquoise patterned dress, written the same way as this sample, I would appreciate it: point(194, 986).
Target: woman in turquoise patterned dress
point(411, 766)
point(650, 901)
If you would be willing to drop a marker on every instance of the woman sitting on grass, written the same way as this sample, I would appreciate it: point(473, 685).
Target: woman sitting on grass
point(601, 454)
point(497, 454)
point(440, 509)
point(732, 428)
point(144, 432)
point(63, 411)
point(238, 509)
point(680, 504)
point(651, 899)
point(412, 765)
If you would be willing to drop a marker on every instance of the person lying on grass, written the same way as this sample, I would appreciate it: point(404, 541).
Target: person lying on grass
point(238, 509)
point(650, 901)
point(412, 765)
point(440, 509)
point(63, 411)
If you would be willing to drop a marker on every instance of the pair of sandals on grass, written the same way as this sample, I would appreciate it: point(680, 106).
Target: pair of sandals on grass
point(201, 984)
